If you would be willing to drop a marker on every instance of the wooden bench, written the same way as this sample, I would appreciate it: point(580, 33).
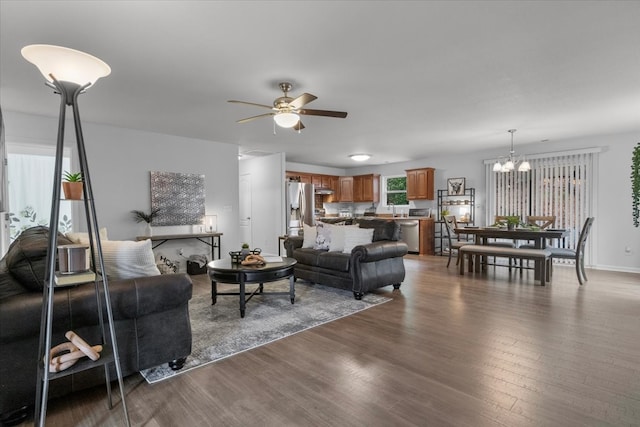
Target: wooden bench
point(542, 255)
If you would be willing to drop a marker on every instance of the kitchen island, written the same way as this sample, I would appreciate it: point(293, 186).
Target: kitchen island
point(424, 229)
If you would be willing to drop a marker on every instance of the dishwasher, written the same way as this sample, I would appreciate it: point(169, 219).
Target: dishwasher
point(410, 233)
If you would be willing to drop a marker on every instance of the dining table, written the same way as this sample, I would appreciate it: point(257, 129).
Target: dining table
point(538, 236)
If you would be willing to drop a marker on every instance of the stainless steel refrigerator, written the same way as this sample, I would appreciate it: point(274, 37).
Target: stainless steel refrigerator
point(300, 206)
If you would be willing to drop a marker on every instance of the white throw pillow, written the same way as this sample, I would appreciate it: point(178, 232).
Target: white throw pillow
point(126, 259)
point(83, 237)
point(309, 236)
point(337, 237)
point(354, 236)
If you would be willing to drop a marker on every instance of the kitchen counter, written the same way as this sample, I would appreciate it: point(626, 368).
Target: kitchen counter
point(426, 233)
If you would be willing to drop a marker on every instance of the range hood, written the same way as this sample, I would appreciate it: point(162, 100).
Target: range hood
point(323, 191)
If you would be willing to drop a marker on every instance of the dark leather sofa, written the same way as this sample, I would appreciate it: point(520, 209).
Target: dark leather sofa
point(370, 266)
point(151, 320)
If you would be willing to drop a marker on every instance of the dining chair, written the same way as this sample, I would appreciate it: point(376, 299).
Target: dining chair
point(502, 219)
point(501, 242)
point(453, 239)
point(542, 221)
point(576, 254)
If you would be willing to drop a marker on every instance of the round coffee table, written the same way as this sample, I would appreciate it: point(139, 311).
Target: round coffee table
point(225, 271)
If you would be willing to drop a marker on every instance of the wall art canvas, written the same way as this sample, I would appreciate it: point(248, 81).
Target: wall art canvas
point(179, 198)
point(455, 186)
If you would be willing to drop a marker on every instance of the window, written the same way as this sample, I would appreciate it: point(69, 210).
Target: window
point(30, 170)
point(395, 190)
point(559, 184)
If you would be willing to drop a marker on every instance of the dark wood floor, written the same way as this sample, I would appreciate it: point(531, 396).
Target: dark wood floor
point(449, 350)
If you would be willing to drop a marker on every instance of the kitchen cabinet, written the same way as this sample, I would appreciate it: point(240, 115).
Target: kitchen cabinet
point(345, 189)
point(305, 178)
point(334, 184)
point(420, 184)
point(427, 233)
point(366, 188)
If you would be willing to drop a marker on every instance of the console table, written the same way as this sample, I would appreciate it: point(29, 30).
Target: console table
point(210, 239)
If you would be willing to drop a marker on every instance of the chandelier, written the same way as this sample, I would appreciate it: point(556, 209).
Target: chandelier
point(512, 160)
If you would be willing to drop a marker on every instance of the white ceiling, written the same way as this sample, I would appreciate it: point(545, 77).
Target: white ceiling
point(417, 78)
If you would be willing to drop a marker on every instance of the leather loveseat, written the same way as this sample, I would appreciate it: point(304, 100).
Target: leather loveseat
point(150, 313)
point(366, 267)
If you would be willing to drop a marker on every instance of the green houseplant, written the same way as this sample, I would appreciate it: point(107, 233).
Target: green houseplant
point(141, 216)
point(512, 221)
point(635, 185)
point(72, 185)
point(245, 251)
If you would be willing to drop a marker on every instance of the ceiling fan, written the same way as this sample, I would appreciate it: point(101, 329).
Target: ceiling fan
point(287, 111)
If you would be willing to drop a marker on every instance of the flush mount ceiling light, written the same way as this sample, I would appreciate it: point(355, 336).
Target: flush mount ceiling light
point(286, 120)
point(512, 160)
point(359, 157)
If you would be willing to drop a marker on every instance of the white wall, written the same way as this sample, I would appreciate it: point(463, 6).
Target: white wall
point(267, 200)
point(120, 161)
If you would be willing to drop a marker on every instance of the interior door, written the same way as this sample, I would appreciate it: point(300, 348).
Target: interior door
point(245, 209)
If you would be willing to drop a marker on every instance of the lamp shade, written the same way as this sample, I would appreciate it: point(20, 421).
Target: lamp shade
point(524, 167)
point(497, 167)
point(65, 64)
point(286, 120)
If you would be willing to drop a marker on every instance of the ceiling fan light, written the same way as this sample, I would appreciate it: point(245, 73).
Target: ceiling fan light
point(286, 120)
point(497, 167)
point(359, 157)
point(65, 64)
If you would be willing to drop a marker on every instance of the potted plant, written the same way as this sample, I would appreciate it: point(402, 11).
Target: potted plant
point(245, 251)
point(512, 222)
point(72, 185)
point(141, 216)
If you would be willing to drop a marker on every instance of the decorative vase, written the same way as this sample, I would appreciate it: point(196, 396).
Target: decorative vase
point(148, 230)
point(511, 226)
point(243, 253)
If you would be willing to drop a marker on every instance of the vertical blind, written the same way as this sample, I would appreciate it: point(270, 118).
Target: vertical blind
point(559, 184)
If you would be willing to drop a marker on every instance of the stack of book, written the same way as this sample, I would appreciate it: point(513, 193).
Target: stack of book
point(67, 279)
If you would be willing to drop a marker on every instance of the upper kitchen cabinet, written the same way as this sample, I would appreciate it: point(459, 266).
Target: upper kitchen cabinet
point(304, 178)
point(345, 189)
point(366, 188)
point(334, 184)
point(420, 184)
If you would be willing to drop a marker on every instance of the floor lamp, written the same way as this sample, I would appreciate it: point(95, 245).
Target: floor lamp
point(70, 72)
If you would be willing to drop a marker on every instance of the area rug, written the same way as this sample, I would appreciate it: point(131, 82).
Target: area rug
point(219, 331)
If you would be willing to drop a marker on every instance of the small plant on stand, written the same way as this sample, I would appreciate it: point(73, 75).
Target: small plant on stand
point(141, 216)
point(72, 185)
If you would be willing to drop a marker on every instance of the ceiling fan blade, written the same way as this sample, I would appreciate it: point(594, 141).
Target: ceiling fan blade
point(339, 114)
point(303, 99)
point(251, 103)
point(248, 119)
point(299, 126)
